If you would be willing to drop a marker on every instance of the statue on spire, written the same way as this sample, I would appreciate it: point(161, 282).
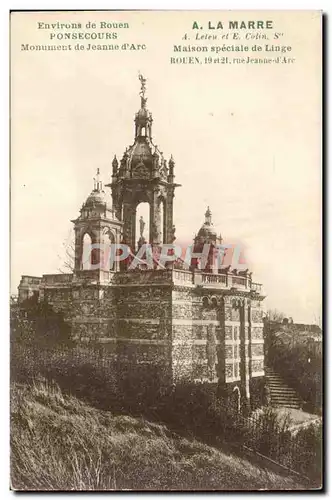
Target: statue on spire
point(143, 85)
point(143, 90)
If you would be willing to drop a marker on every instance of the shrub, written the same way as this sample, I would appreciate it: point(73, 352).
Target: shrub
point(300, 364)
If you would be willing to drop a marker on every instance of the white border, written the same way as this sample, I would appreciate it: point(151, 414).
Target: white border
point(5, 6)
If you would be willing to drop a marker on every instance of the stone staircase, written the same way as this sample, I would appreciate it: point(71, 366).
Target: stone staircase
point(281, 394)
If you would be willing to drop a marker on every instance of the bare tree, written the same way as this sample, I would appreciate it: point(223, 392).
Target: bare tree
point(275, 315)
point(68, 257)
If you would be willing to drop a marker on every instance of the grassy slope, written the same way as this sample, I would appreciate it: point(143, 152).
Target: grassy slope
point(58, 442)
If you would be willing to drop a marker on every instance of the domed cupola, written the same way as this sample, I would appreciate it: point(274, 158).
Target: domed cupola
point(97, 197)
point(97, 203)
point(207, 233)
point(98, 224)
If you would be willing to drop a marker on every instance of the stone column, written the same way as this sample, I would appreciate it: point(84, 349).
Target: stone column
point(155, 220)
point(128, 225)
point(169, 216)
point(78, 250)
point(133, 228)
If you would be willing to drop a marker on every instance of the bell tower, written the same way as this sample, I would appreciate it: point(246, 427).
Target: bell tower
point(144, 175)
point(96, 229)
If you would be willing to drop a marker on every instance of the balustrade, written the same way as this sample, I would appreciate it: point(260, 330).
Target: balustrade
point(208, 278)
point(183, 276)
point(57, 278)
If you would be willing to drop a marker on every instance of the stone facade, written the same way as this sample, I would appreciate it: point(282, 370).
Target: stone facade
point(184, 325)
point(192, 333)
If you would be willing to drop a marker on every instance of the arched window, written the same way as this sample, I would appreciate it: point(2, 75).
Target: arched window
point(205, 302)
point(86, 252)
point(142, 229)
point(214, 302)
point(109, 250)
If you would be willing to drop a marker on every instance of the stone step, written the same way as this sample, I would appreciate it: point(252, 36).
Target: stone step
point(282, 402)
point(275, 380)
point(285, 400)
point(280, 393)
point(288, 401)
point(295, 407)
point(278, 379)
point(284, 395)
point(282, 386)
point(282, 398)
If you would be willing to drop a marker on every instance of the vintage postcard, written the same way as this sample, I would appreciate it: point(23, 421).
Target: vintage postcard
point(166, 250)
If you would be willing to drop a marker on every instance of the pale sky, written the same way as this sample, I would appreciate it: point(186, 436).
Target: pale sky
point(246, 140)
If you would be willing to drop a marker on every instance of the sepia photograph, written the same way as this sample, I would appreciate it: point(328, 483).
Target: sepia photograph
point(166, 323)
